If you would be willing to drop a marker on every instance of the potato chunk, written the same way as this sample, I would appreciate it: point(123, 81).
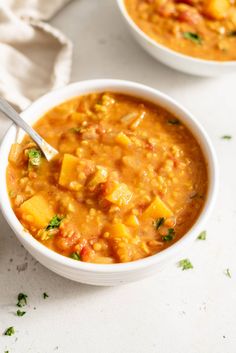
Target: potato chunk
point(75, 171)
point(37, 211)
point(121, 241)
point(132, 221)
point(120, 194)
point(99, 177)
point(157, 209)
point(68, 170)
point(119, 230)
point(123, 140)
point(15, 155)
point(216, 9)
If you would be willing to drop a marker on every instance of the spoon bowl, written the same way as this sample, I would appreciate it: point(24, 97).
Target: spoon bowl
point(48, 151)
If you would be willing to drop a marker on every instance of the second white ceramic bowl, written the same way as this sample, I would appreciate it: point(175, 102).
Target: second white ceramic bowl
point(99, 274)
point(175, 60)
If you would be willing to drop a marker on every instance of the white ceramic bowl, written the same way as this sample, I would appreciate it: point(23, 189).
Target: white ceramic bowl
point(98, 274)
point(174, 59)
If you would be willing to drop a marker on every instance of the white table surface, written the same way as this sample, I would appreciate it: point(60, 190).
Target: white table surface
point(175, 312)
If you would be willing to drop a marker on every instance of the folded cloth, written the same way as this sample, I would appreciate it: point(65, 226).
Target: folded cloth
point(34, 57)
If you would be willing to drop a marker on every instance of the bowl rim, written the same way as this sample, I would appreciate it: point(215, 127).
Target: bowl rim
point(101, 85)
point(169, 51)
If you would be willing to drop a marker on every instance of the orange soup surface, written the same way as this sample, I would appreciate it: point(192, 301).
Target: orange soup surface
point(201, 28)
point(129, 180)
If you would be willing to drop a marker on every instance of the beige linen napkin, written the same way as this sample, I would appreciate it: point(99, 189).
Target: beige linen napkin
point(34, 57)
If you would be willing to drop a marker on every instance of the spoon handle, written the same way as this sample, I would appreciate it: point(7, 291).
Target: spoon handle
point(14, 116)
point(8, 110)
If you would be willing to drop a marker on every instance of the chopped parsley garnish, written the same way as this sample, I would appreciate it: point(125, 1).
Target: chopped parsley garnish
point(75, 256)
point(174, 121)
point(227, 273)
point(158, 222)
point(34, 157)
point(202, 235)
point(45, 295)
point(20, 313)
point(9, 331)
point(22, 299)
point(226, 137)
point(55, 222)
point(194, 37)
point(170, 235)
point(185, 264)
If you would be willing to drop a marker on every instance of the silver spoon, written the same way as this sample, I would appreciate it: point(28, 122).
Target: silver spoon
point(48, 151)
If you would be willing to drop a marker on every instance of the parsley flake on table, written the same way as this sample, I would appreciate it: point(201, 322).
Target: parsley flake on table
point(20, 313)
point(45, 295)
point(227, 273)
point(22, 299)
point(202, 235)
point(185, 264)
point(9, 331)
point(226, 137)
point(194, 37)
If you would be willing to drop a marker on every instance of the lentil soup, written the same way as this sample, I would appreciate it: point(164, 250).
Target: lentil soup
point(204, 29)
point(129, 181)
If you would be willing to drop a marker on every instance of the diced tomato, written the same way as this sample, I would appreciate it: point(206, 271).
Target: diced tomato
point(189, 15)
point(142, 207)
point(101, 189)
point(105, 204)
point(85, 253)
point(149, 146)
point(66, 243)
